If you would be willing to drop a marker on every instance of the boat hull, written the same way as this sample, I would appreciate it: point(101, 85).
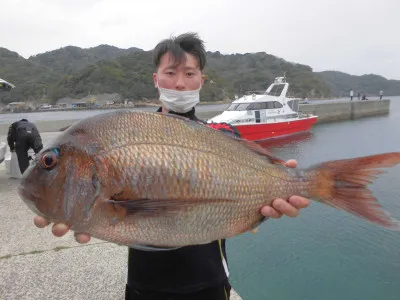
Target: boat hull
point(263, 131)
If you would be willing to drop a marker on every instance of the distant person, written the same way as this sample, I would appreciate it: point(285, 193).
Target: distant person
point(3, 150)
point(380, 94)
point(358, 96)
point(364, 97)
point(22, 136)
point(351, 95)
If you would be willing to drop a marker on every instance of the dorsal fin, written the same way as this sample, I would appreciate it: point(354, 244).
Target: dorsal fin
point(176, 117)
point(249, 144)
point(262, 151)
point(64, 128)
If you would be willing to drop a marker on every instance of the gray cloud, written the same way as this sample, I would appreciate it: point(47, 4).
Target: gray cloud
point(353, 36)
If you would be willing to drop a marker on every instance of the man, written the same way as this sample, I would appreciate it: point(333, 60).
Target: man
point(193, 272)
point(22, 136)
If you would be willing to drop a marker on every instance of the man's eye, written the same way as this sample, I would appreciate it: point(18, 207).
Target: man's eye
point(190, 74)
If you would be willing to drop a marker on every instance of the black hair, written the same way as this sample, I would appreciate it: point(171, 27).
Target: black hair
point(178, 47)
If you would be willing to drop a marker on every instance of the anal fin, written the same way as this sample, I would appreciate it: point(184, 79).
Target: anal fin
point(256, 226)
point(150, 248)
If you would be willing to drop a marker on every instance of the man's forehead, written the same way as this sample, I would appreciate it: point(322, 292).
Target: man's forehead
point(170, 61)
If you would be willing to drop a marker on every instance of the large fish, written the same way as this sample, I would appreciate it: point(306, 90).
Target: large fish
point(160, 181)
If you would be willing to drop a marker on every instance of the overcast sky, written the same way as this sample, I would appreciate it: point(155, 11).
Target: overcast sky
point(353, 36)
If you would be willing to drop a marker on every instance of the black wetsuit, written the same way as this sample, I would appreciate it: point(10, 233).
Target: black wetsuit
point(23, 135)
point(192, 272)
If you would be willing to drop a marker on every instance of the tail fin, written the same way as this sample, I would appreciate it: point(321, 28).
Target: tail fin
point(343, 184)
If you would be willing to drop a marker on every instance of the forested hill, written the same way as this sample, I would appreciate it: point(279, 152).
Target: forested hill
point(68, 60)
point(341, 83)
point(76, 72)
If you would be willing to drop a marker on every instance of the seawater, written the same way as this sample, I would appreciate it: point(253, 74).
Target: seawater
point(325, 253)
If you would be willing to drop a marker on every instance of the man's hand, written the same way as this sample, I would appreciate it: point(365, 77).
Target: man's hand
point(290, 208)
point(61, 229)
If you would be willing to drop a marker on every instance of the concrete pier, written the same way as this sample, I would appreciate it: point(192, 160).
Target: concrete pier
point(337, 111)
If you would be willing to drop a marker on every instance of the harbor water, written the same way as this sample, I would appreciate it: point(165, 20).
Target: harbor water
point(325, 253)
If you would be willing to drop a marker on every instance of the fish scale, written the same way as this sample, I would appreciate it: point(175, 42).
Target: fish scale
point(152, 133)
point(172, 168)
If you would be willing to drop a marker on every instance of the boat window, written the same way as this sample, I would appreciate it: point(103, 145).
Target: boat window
point(232, 107)
point(238, 106)
point(254, 106)
point(263, 105)
point(293, 104)
point(270, 105)
point(258, 106)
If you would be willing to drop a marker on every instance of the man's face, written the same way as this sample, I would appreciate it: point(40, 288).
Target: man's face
point(183, 77)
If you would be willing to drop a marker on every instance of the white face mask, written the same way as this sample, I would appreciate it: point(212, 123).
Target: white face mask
point(179, 101)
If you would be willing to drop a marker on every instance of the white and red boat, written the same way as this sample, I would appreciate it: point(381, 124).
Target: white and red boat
point(264, 115)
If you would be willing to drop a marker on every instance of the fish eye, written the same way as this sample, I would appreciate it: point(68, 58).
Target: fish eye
point(49, 159)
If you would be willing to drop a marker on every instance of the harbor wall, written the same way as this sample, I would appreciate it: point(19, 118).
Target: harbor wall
point(326, 112)
point(337, 111)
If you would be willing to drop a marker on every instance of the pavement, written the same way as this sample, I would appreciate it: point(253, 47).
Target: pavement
point(34, 264)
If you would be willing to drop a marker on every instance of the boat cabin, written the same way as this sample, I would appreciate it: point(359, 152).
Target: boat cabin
point(262, 107)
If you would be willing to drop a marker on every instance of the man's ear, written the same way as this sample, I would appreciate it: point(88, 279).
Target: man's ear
point(203, 78)
point(155, 80)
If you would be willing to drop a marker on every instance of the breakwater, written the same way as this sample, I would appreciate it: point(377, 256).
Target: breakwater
point(337, 111)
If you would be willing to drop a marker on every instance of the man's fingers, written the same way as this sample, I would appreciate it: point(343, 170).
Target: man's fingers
point(60, 229)
point(82, 238)
point(285, 208)
point(40, 222)
point(299, 202)
point(269, 212)
point(291, 163)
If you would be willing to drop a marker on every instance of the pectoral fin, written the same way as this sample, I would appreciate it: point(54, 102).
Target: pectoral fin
point(157, 207)
point(150, 207)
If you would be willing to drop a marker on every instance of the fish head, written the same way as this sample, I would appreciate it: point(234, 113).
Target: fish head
point(62, 183)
